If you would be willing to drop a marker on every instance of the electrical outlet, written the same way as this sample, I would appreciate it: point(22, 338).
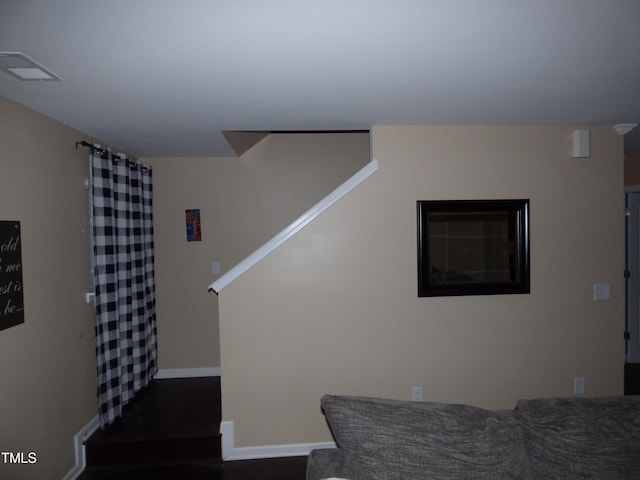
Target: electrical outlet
point(417, 394)
point(578, 386)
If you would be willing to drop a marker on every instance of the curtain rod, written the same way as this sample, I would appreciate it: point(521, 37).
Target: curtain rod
point(103, 152)
point(84, 144)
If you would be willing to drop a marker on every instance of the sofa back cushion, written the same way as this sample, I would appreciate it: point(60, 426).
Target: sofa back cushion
point(582, 438)
point(393, 439)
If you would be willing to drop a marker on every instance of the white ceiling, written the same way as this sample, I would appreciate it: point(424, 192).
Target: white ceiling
point(165, 77)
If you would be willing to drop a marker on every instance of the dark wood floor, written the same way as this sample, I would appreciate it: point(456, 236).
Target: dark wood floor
point(171, 431)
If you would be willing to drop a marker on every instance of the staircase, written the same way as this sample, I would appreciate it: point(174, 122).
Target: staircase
point(173, 425)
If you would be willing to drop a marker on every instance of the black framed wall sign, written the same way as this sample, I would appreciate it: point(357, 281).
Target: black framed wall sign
point(11, 298)
point(473, 247)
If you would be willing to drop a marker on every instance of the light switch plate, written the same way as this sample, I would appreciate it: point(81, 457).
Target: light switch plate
point(601, 291)
point(215, 268)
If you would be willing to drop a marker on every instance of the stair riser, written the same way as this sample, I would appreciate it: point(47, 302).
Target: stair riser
point(154, 451)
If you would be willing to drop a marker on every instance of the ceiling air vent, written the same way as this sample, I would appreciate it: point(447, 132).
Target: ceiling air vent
point(23, 68)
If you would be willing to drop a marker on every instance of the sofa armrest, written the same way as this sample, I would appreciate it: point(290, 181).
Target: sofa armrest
point(327, 463)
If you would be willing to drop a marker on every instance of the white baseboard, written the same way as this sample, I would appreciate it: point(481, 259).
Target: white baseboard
point(227, 429)
point(230, 452)
point(78, 445)
point(276, 451)
point(187, 372)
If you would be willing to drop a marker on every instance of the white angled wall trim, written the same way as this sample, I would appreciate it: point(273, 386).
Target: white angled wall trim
point(187, 372)
point(229, 452)
point(292, 229)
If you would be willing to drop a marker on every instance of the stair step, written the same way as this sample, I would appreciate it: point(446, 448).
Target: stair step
point(169, 421)
point(154, 450)
point(200, 470)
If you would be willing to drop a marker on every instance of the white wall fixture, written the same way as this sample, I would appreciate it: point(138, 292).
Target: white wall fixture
point(417, 394)
point(624, 128)
point(601, 291)
point(578, 386)
point(215, 268)
point(581, 143)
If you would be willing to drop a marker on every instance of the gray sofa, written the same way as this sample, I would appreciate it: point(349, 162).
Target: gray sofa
point(553, 438)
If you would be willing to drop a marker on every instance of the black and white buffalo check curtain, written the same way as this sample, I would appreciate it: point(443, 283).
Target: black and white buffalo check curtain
point(123, 263)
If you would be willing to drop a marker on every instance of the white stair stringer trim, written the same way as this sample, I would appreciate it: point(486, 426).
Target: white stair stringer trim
point(229, 452)
point(292, 229)
point(78, 444)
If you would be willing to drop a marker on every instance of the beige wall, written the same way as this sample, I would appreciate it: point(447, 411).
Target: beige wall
point(243, 203)
point(47, 364)
point(335, 309)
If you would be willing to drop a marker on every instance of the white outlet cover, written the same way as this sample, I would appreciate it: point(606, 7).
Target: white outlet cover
point(417, 394)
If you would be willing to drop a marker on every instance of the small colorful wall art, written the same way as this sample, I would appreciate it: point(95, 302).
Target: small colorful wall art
point(194, 233)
